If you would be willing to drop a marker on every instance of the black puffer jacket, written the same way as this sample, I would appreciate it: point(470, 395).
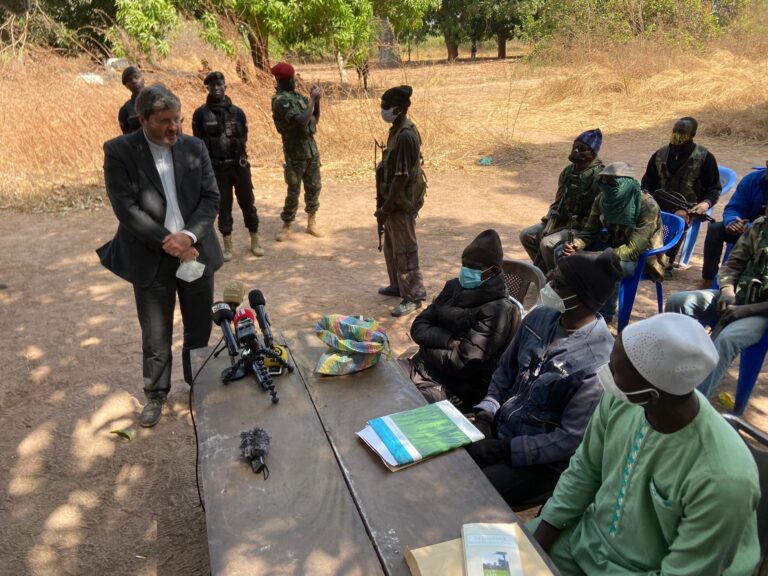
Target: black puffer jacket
point(483, 319)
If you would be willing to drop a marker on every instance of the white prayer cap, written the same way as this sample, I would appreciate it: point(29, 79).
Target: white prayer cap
point(671, 351)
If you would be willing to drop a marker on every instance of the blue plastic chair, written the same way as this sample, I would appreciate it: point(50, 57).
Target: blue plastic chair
point(727, 181)
point(750, 365)
point(673, 231)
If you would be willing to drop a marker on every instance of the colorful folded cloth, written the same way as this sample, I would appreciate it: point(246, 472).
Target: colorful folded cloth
point(355, 344)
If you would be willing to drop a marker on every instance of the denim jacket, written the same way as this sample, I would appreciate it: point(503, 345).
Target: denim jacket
point(542, 397)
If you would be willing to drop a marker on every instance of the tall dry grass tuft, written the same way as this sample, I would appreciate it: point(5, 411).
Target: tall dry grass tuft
point(53, 123)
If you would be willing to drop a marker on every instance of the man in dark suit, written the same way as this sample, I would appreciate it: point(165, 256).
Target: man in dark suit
point(164, 194)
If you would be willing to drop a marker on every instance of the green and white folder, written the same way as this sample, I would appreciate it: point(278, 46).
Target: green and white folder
point(408, 437)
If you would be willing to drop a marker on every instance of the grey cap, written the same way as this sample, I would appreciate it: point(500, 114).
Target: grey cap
point(618, 169)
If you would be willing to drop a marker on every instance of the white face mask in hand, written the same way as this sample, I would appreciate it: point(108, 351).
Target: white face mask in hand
point(190, 271)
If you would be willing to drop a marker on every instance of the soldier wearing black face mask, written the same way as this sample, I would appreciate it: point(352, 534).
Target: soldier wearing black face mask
point(576, 191)
point(224, 129)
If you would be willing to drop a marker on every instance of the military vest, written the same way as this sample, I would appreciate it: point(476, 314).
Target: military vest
point(412, 198)
point(686, 180)
point(132, 118)
point(579, 194)
point(223, 134)
point(298, 141)
point(752, 285)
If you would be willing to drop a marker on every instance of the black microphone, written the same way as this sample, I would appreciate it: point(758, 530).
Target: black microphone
point(254, 447)
point(257, 302)
point(222, 316)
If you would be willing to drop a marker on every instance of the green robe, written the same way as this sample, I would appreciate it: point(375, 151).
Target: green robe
point(634, 501)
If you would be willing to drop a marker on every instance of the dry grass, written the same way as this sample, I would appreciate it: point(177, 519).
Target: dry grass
point(53, 123)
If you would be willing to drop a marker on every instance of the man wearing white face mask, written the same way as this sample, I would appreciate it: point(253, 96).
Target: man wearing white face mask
point(465, 330)
point(661, 483)
point(545, 389)
point(400, 189)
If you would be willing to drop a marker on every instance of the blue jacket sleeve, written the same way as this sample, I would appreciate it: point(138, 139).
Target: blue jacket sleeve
point(747, 200)
point(504, 378)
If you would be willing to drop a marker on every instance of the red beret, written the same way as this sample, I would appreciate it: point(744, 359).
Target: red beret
point(282, 71)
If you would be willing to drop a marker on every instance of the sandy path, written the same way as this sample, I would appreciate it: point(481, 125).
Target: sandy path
point(76, 499)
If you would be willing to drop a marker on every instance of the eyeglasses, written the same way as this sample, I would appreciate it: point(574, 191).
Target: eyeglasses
point(167, 122)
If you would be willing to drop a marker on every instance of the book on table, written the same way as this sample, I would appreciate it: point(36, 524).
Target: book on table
point(404, 438)
point(449, 558)
point(491, 550)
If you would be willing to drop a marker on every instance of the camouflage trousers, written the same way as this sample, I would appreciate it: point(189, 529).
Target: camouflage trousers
point(401, 252)
point(296, 172)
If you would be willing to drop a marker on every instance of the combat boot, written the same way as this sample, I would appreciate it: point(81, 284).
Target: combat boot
point(284, 233)
point(227, 248)
point(256, 248)
point(312, 225)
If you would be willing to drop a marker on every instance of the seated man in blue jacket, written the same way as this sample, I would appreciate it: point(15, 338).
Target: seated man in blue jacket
point(464, 332)
point(545, 388)
point(746, 205)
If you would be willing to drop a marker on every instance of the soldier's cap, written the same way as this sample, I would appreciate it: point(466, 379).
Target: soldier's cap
point(283, 71)
point(398, 96)
point(618, 169)
point(213, 77)
point(128, 72)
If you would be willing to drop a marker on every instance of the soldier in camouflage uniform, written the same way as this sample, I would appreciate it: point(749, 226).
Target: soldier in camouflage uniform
point(687, 170)
point(633, 223)
point(400, 189)
point(224, 129)
point(576, 191)
point(296, 120)
point(127, 117)
point(740, 307)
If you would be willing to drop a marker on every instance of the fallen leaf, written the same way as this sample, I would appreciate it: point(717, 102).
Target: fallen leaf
point(127, 434)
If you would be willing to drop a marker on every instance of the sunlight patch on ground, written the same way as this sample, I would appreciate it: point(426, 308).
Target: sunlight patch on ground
point(88, 342)
point(28, 473)
point(91, 439)
point(32, 352)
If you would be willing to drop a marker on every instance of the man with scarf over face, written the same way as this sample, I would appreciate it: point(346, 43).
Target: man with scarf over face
point(464, 331)
point(685, 169)
point(400, 187)
point(224, 129)
point(633, 223)
point(576, 190)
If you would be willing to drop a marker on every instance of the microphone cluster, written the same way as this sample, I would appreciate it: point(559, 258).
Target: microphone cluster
point(248, 355)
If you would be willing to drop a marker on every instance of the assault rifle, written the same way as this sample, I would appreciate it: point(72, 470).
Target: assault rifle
point(378, 171)
point(672, 202)
point(549, 227)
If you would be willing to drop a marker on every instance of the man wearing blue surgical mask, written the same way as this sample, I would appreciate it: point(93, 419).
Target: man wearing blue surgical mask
point(661, 483)
point(464, 332)
point(400, 189)
point(546, 388)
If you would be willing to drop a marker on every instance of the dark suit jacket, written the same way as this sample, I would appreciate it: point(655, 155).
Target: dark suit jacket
point(136, 193)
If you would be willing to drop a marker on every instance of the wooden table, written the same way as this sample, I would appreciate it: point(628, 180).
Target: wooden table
point(330, 506)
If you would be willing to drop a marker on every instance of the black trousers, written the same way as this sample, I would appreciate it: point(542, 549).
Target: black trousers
point(155, 305)
point(230, 176)
point(717, 235)
point(519, 484)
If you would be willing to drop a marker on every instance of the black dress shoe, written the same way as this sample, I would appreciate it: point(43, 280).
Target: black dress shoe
point(389, 291)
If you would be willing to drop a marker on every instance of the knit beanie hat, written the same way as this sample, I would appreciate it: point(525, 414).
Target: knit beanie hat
point(484, 251)
point(592, 276)
point(128, 72)
point(398, 96)
point(592, 138)
point(671, 351)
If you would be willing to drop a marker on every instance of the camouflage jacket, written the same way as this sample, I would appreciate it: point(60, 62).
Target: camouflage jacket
point(747, 261)
point(298, 141)
point(575, 194)
point(628, 243)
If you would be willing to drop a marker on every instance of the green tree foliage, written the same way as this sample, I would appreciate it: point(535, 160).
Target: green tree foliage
point(405, 16)
point(148, 23)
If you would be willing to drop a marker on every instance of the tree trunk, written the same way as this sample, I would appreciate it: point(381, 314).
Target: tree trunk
point(452, 48)
point(387, 53)
point(342, 70)
point(501, 41)
point(259, 49)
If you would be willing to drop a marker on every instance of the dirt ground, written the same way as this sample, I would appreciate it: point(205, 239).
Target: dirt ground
point(76, 499)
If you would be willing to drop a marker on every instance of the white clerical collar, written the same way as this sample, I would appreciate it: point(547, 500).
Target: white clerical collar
point(156, 148)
